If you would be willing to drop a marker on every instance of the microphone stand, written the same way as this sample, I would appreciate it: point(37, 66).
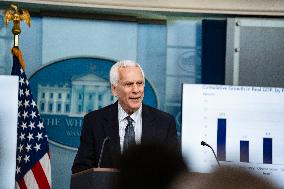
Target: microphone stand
point(205, 144)
point(102, 151)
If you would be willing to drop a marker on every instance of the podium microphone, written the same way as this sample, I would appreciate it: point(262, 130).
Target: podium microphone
point(205, 144)
point(102, 151)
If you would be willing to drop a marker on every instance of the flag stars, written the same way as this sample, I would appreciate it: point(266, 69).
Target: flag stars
point(22, 136)
point(21, 92)
point(21, 147)
point(18, 170)
point(27, 82)
point(37, 147)
point(27, 92)
point(32, 125)
point(21, 70)
point(22, 81)
point(24, 125)
point(30, 137)
point(20, 103)
point(19, 159)
point(40, 125)
point(27, 158)
point(39, 136)
point(26, 104)
point(28, 148)
point(33, 114)
point(25, 114)
point(33, 103)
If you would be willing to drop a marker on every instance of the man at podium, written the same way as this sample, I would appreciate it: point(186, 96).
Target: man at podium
point(107, 132)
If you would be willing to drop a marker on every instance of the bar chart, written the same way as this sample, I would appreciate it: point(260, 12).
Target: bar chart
point(244, 126)
point(244, 145)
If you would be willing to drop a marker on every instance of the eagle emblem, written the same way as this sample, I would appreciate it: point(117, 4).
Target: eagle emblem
point(16, 15)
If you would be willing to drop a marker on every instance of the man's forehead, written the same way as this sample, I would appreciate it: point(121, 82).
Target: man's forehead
point(123, 71)
point(128, 67)
point(132, 81)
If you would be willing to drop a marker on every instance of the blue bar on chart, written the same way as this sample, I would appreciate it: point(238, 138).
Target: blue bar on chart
point(221, 139)
point(267, 150)
point(244, 151)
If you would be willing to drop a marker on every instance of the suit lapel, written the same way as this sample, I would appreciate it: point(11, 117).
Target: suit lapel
point(111, 129)
point(148, 127)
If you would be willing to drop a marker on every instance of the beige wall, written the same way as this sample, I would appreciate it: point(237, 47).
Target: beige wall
point(241, 7)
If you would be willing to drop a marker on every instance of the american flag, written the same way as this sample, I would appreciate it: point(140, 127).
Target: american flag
point(33, 169)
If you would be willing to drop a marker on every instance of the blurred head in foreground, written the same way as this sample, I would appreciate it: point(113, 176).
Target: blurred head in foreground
point(222, 178)
point(150, 166)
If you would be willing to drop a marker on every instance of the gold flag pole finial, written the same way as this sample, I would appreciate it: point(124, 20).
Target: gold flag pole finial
point(16, 15)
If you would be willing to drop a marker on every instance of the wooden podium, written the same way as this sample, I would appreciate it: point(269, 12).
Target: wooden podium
point(95, 178)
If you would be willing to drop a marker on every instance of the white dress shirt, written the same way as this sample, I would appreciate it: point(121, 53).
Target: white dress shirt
point(137, 124)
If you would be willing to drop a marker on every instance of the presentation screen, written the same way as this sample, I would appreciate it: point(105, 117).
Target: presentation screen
point(244, 126)
point(8, 130)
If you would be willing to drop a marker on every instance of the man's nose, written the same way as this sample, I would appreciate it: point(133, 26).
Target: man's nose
point(135, 88)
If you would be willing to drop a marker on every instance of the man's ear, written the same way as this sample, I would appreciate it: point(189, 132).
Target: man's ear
point(114, 90)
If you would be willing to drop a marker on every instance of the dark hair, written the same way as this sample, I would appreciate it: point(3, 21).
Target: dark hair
point(224, 177)
point(149, 166)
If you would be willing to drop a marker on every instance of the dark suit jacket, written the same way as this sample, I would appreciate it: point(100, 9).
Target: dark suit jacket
point(157, 126)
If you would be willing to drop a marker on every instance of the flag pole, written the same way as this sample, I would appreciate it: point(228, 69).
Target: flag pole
point(16, 15)
point(33, 169)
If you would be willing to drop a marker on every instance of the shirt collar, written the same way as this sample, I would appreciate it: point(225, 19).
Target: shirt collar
point(122, 114)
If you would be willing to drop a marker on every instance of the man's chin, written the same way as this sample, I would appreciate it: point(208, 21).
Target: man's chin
point(135, 106)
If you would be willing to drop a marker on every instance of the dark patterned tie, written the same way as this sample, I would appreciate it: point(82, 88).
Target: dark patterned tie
point(129, 137)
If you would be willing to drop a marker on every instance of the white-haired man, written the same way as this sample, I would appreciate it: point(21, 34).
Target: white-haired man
point(128, 121)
